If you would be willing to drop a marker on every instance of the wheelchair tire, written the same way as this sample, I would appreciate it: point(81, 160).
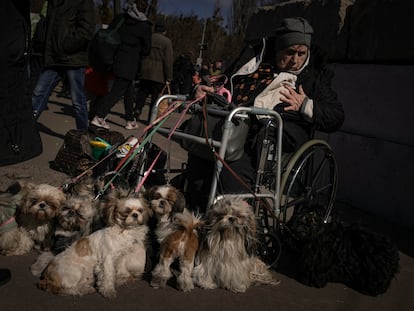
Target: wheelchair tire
point(309, 178)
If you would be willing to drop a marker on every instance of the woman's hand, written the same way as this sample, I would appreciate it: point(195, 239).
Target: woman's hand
point(293, 98)
point(202, 90)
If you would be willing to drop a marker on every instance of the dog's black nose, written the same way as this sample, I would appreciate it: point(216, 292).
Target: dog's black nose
point(71, 213)
point(232, 219)
point(42, 205)
point(135, 215)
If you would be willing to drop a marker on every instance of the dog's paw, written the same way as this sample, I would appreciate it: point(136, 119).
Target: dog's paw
point(237, 289)
point(185, 285)
point(108, 293)
point(157, 283)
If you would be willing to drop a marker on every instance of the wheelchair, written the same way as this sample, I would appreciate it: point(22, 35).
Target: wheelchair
point(284, 182)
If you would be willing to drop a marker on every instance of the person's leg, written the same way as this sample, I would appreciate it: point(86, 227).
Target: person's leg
point(129, 99)
point(105, 104)
point(76, 80)
point(199, 176)
point(46, 82)
point(155, 91)
point(244, 169)
point(141, 96)
point(115, 94)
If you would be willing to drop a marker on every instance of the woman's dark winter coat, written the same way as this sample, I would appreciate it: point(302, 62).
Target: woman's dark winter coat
point(135, 43)
point(316, 80)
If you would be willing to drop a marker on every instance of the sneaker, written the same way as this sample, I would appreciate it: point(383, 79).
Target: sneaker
point(131, 125)
point(99, 122)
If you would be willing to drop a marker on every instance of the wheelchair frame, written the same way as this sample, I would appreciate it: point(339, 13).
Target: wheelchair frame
point(294, 184)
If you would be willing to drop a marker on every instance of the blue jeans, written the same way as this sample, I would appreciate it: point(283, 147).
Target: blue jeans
point(47, 81)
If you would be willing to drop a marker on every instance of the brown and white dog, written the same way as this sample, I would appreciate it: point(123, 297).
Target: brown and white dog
point(227, 254)
point(105, 259)
point(35, 214)
point(176, 236)
point(164, 201)
point(178, 240)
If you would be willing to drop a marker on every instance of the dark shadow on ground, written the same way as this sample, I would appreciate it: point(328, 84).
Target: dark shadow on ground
point(42, 128)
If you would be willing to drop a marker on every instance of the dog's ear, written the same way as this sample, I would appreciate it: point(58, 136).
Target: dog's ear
point(179, 203)
point(148, 194)
point(107, 208)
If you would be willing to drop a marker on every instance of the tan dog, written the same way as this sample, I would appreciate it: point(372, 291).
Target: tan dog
point(105, 259)
point(227, 256)
point(35, 213)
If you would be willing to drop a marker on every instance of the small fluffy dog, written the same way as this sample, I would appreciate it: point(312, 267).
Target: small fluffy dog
point(178, 240)
point(227, 255)
point(76, 219)
point(174, 235)
point(317, 253)
point(35, 215)
point(105, 259)
point(165, 201)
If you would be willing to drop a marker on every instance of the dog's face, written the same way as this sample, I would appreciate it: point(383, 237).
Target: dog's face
point(42, 202)
point(127, 212)
point(232, 216)
point(77, 213)
point(165, 200)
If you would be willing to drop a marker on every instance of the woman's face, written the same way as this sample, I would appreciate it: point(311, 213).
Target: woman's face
point(292, 58)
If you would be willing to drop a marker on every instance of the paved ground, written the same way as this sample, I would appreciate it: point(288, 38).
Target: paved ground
point(21, 292)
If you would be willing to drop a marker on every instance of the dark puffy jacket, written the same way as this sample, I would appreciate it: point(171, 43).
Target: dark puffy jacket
point(135, 43)
point(71, 25)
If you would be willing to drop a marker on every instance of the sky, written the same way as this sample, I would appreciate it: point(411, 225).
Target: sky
point(201, 8)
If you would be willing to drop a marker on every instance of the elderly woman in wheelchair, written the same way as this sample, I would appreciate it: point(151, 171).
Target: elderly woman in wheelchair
point(287, 74)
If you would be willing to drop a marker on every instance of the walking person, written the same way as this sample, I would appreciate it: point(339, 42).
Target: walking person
point(135, 35)
point(156, 69)
point(71, 25)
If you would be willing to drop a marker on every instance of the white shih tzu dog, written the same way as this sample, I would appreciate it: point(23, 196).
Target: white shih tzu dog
point(35, 214)
point(105, 259)
point(227, 254)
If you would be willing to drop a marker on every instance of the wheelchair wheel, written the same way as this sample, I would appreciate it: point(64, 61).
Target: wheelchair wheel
point(270, 246)
point(309, 179)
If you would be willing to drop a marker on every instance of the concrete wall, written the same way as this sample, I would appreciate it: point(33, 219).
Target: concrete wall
point(375, 147)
